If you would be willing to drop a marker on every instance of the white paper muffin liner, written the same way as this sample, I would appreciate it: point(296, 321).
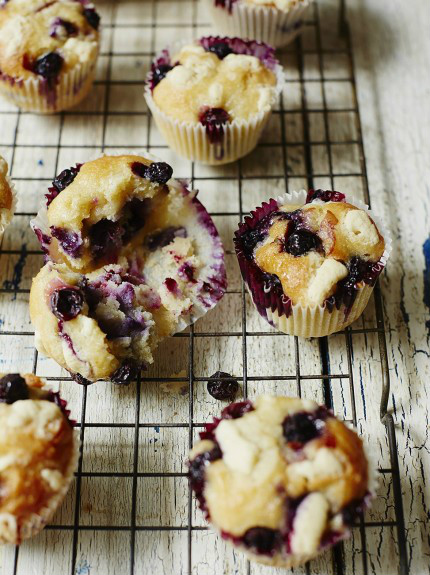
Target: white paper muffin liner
point(190, 140)
point(34, 95)
point(7, 215)
point(318, 321)
point(11, 532)
point(263, 23)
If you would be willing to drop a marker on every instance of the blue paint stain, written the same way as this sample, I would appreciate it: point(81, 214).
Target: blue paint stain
point(426, 252)
point(157, 429)
point(13, 284)
point(83, 567)
point(40, 163)
point(403, 311)
point(363, 395)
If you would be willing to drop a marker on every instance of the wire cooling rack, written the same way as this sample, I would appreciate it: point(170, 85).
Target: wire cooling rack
point(130, 509)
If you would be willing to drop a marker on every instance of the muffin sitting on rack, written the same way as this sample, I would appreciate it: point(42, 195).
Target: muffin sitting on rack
point(48, 53)
point(7, 197)
point(212, 98)
point(280, 478)
point(38, 455)
point(133, 257)
point(275, 22)
point(310, 261)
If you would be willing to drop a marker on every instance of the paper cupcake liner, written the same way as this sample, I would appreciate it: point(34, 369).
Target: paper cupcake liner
point(34, 94)
point(237, 138)
point(263, 23)
point(277, 308)
point(14, 533)
point(7, 215)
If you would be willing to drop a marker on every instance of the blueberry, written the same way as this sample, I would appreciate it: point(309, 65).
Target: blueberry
point(13, 388)
point(126, 373)
point(262, 540)
point(92, 17)
point(303, 426)
point(225, 388)
point(325, 196)
point(164, 237)
point(67, 303)
point(70, 242)
point(48, 66)
point(272, 283)
point(197, 467)
point(220, 49)
point(69, 27)
point(157, 172)
point(106, 239)
point(237, 410)
point(214, 119)
point(80, 379)
point(301, 242)
point(159, 73)
point(65, 178)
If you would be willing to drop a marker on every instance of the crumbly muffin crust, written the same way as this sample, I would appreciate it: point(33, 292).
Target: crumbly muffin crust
point(279, 477)
point(336, 232)
point(133, 257)
point(239, 84)
point(37, 453)
point(30, 29)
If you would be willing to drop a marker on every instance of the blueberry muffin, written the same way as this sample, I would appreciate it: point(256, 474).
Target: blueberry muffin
point(132, 257)
point(212, 98)
point(275, 22)
point(280, 478)
point(38, 455)
point(311, 261)
point(7, 198)
point(48, 52)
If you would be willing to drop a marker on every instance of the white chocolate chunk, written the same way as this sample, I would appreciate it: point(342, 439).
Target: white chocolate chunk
point(216, 93)
point(243, 61)
point(325, 280)
point(201, 447)
point(238, 453)
point(53, 478)
point(180, 75)
point(325, 464)
point(309, 524)
point(359, 229)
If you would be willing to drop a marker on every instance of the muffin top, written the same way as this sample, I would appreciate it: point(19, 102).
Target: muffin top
point(221, 80)
point(317, 250)
point(6, 198)
point(281, 467)
point(36, 450)
point(46, 38)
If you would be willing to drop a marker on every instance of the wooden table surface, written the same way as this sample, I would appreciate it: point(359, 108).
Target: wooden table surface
point(135, 446)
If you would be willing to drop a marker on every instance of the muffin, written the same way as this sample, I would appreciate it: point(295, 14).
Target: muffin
point(132, 257)
point(7, 198)
point(275, 22)
point(38, 455)
point(280, 478)
point(310, 261)
point(48, 52)
point(211, 99)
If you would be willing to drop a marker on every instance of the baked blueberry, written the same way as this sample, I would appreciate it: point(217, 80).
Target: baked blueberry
point(49, 66)
point(220, 49)
point(67, 303)
point(92, 17)
point(223, 386)
point(13, 388)
point(301, 242)
point(158, 172)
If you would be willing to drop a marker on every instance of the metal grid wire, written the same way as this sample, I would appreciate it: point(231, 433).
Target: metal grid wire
point(14, 260)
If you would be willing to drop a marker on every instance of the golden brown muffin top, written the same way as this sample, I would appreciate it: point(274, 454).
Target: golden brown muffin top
point(312, 258)
point(239, 84)
point(32, 29)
